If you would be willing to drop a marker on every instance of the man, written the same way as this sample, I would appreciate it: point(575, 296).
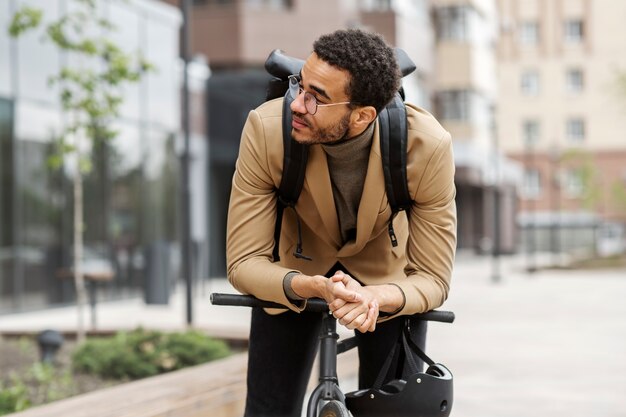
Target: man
point(340, 221)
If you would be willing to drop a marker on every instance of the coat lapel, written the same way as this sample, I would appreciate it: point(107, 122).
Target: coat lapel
point(371, 200)
point(318, 181)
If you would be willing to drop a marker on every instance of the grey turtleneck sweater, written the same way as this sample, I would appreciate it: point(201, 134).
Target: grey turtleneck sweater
point(347, 166)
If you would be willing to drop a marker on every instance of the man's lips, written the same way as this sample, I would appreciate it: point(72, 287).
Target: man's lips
point(297, 123)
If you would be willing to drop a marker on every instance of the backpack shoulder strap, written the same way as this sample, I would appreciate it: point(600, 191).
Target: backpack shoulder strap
point(294, 167)
point(393, 145)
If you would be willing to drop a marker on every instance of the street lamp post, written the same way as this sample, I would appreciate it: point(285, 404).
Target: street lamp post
point(555, 226)
point(496, 276)
point(186, 191)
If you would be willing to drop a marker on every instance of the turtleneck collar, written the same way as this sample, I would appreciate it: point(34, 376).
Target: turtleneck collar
point(352, 145)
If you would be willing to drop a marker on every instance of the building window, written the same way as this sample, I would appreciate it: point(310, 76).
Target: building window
point(575, 130)
point(454, 105)
point(530, 131)
point(530, 83)
point(574, 80)
point(574, 184)
point(452, 23)
point(531, 188)
point(376, 5)
point(269, 4)
point(529, 33)
point(573, 31)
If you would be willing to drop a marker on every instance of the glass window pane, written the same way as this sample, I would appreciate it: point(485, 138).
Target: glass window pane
point(529, 33)
point(454, 105)
point(574, 81)
point(6, 204)
point(36, 122)
point(161, 176)
point(125, 207)
point(5, 61)
point(163, 98)
point(32, 52)
point(40, 211)
point(126, 35)
point(531, 131)
point(574, 186)
point(530, 83)
point(573, 31)
point(452, 23)
point(575, 130)
point(532, 184)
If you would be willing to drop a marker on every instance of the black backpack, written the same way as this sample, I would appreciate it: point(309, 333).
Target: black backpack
point(393, 143)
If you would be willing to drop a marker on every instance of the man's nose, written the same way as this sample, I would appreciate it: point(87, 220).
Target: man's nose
point(297, 105)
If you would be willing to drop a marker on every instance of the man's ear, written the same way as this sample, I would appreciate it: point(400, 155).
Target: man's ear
point(363, 116)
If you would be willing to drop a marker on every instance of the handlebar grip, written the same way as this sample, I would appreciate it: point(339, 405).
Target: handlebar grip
point(241, 301)
point(436, 315)
point(312, 305)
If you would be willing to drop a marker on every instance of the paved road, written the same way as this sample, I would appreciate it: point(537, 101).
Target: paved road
point(550, 344)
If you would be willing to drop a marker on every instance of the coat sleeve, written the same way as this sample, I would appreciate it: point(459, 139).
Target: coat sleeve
point(431, 243)
point(251, 220)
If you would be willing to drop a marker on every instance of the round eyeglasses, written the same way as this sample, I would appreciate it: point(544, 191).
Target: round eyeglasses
point(310, 102)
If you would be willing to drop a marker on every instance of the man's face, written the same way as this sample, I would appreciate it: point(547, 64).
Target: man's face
point(327, 84)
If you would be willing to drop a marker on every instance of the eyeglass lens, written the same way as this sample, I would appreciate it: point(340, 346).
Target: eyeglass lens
point(310, 103)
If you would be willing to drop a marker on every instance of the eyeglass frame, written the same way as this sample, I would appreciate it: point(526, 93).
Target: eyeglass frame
point(295, 89)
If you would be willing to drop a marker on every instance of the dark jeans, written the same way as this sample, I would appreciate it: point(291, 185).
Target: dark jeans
point(281, 353)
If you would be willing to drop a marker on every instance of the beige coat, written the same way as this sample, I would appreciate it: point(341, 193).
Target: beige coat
point(420, 265)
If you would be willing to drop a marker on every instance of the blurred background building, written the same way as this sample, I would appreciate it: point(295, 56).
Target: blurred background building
point(465, 101)
point(561, 114)
point(131, 208)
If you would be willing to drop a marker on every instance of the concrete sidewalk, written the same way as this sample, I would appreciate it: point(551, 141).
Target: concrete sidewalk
point(548, 344)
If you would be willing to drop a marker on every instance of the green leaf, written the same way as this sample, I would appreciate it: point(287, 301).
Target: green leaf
point(85, 165)
point(25, 19)
point(55, 161)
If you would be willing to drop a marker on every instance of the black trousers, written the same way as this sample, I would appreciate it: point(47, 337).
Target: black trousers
point(282, 350)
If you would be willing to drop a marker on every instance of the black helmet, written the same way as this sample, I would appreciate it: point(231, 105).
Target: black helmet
point(423, 394)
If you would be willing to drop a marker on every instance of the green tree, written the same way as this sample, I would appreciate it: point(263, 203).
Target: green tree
point(585, 167)
point(90, 92)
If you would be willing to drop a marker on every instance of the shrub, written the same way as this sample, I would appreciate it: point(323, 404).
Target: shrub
point(142, 353)
point(13, 399)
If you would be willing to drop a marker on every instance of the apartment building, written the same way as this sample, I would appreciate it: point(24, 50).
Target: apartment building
point(465, 82)
point(562, 114)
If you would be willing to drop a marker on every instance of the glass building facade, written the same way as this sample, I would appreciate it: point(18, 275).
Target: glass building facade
point(130, 204)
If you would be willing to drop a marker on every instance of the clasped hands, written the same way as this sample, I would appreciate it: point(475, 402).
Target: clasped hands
point(353, 305)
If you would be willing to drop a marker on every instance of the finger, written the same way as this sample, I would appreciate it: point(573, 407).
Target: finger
point(373, 313)
point(339, 291)
point(372, 316)
point(340, 277)
point(357, 322)
point(367, 324)
point(336, 304)
point(337, 278)
point(350, 316)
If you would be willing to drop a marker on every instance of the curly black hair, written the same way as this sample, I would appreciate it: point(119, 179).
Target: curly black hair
point(374, 72)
